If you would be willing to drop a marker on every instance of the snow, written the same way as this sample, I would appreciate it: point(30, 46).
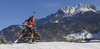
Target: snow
point(21, 27)
point(56, 21)
point(52, 45)
point(80, 35)
point(13, 30)
point(83, 9)
point(71, 10)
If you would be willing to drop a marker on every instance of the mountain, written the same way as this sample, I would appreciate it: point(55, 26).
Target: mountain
point(88, 21)
point(12, 32)
point(61, 23)
point(66, 21)
point(68, 12)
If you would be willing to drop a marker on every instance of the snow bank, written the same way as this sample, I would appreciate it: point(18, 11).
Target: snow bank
point(52, 45)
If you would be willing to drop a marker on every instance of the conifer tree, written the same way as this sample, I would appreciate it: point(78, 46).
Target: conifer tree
point(2, 38)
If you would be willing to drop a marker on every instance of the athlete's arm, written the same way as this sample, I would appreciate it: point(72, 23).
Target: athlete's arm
point(24, 21)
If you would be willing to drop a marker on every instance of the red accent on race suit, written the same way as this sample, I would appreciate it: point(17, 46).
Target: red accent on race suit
point(30, 23)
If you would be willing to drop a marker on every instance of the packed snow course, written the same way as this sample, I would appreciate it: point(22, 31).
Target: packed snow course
point(52, 45)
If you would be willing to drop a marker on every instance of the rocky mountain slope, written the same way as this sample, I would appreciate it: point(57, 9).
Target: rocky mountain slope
point(68, 12)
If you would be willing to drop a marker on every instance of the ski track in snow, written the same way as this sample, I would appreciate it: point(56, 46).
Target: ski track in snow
point(51, 45)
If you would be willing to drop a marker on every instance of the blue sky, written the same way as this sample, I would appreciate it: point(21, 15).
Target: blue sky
point(13, 12)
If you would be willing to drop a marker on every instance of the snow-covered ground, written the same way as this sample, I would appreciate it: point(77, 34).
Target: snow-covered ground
point(52, 45)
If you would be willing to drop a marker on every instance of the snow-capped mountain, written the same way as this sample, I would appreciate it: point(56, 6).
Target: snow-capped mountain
point(71, 10)
point(80, 35)
point(68, 12)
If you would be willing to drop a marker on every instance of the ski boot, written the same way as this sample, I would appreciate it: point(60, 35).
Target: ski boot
point(30, 41)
